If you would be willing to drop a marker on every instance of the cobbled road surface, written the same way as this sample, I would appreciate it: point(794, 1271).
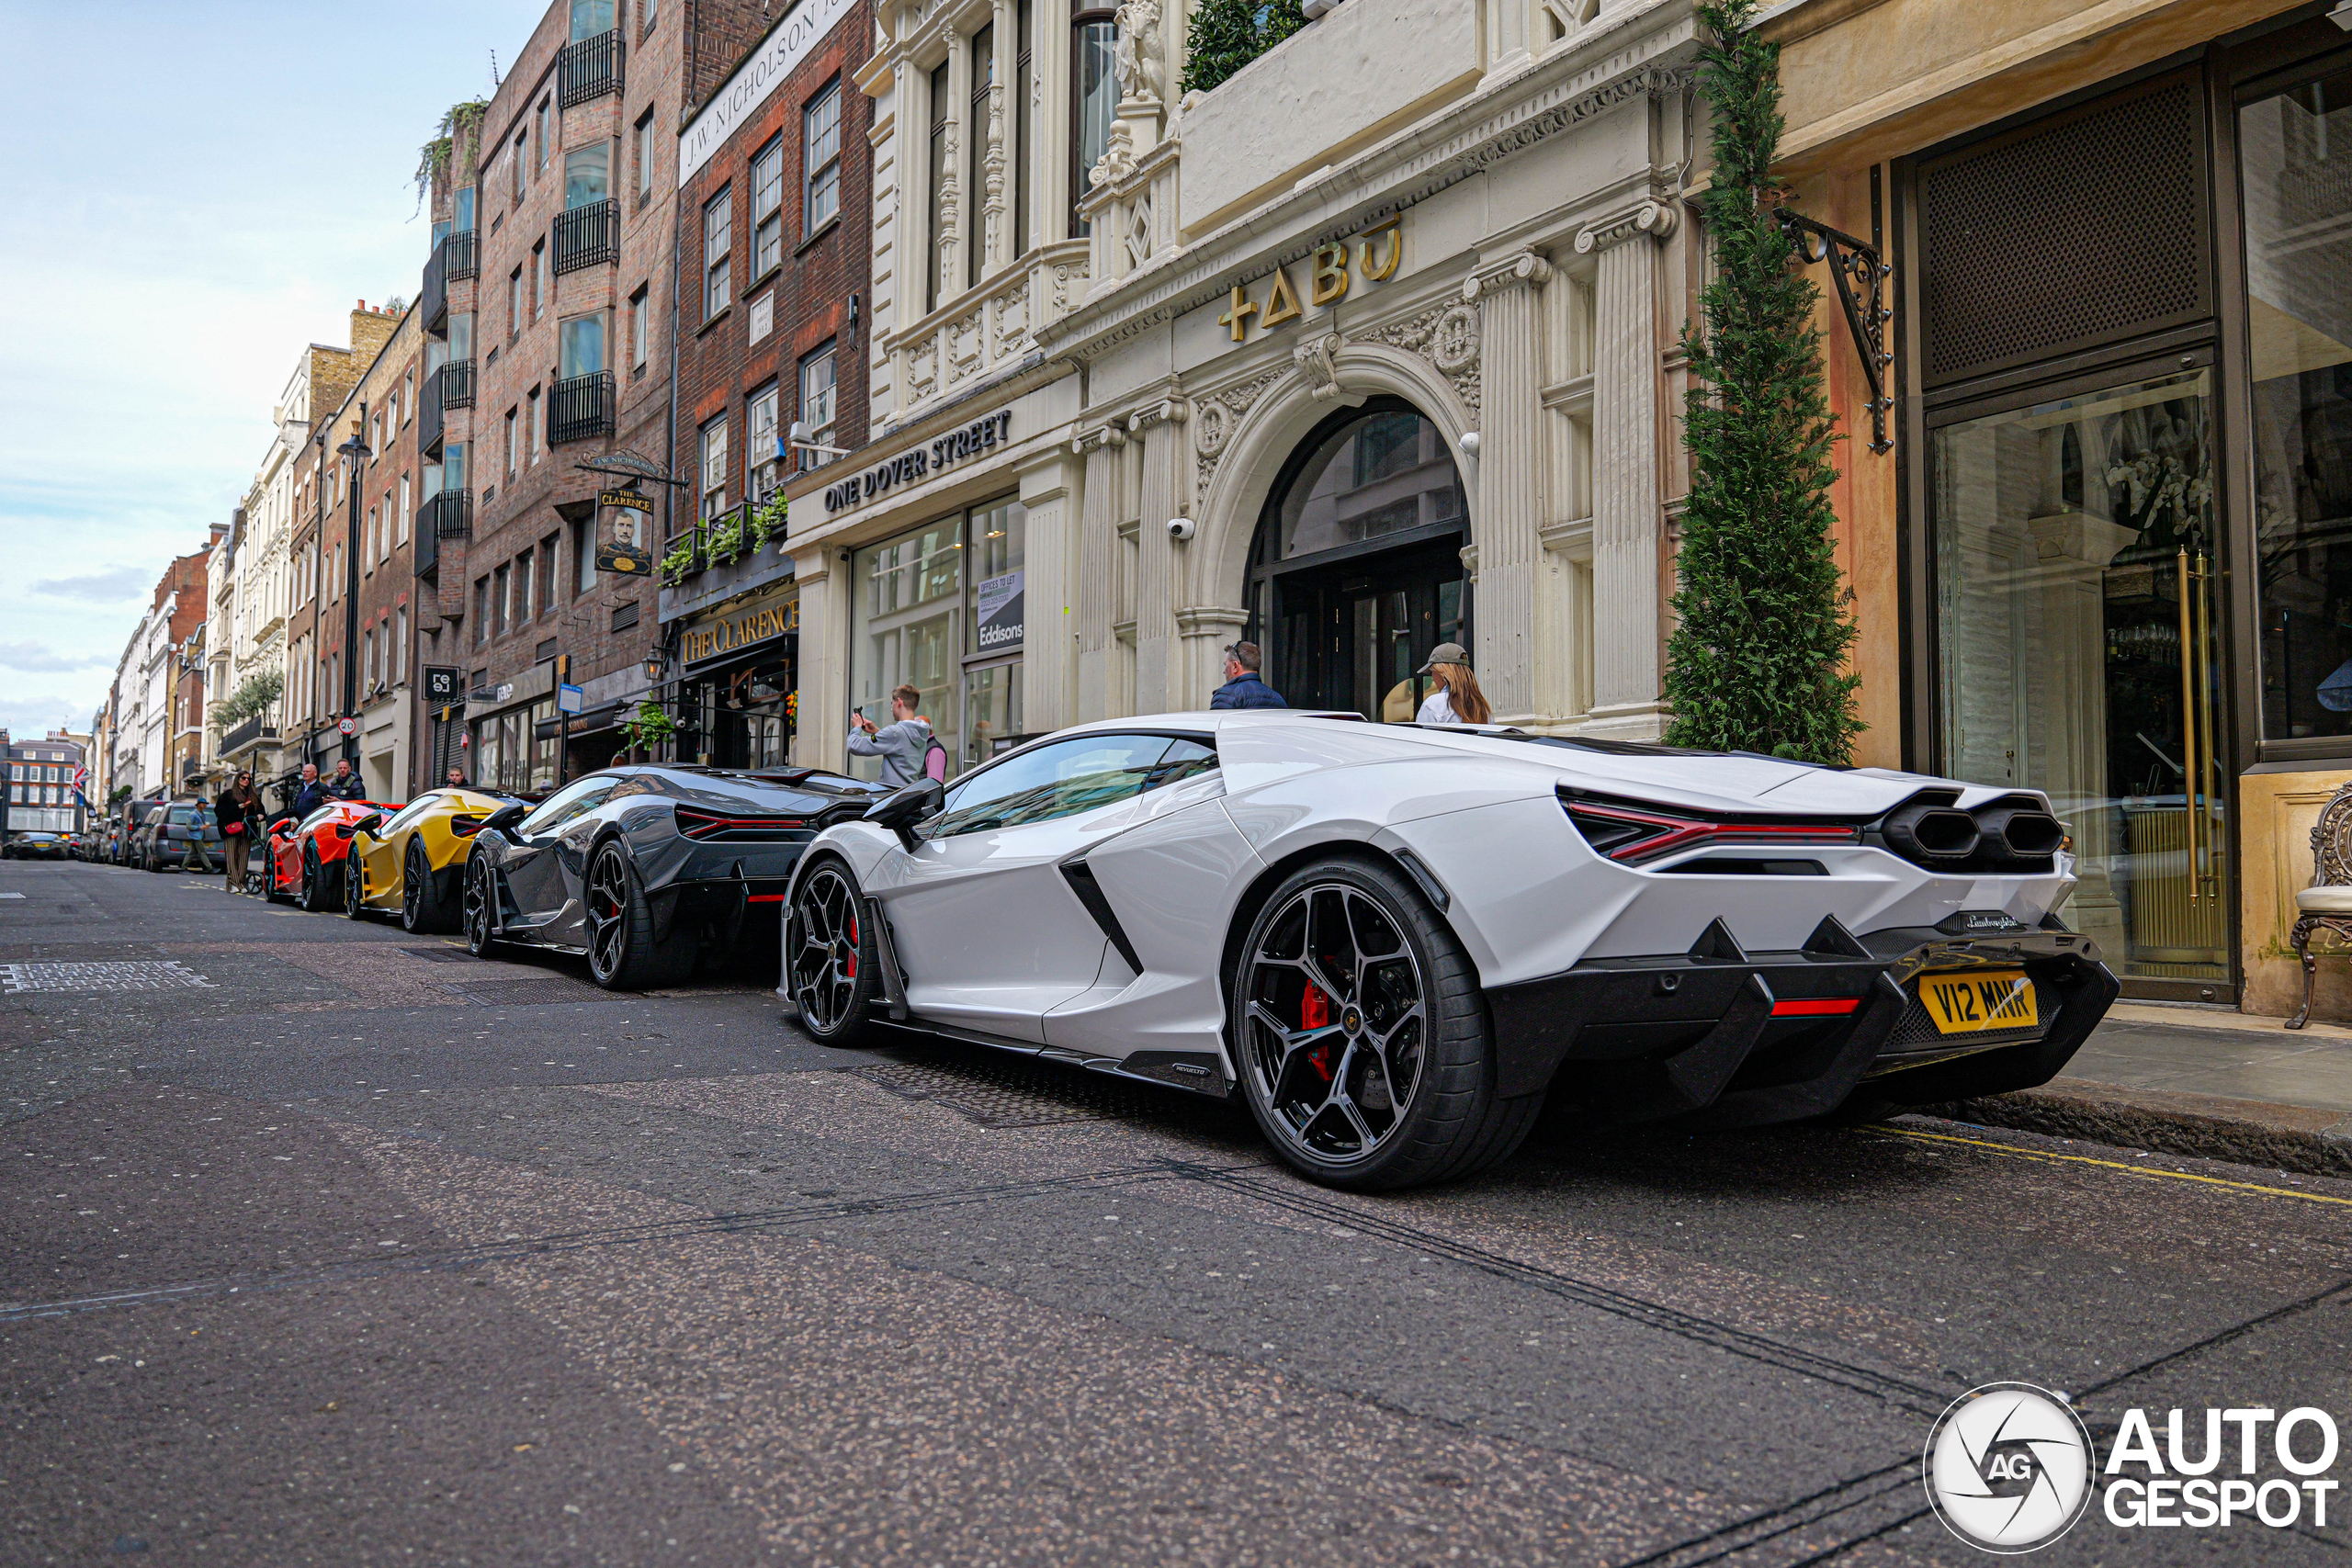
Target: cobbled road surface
point(324, 1243)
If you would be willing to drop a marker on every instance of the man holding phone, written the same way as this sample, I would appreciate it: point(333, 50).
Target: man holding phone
point(903, 744)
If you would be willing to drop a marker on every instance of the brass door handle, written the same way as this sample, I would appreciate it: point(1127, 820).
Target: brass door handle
point(2192, 769)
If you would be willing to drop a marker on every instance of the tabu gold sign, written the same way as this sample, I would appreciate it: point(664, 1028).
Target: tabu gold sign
point(712, 638)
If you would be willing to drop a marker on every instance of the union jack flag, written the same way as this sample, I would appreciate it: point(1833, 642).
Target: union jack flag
point(82, 784)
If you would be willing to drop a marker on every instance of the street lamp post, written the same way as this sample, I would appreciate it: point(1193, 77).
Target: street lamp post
point(354, 451)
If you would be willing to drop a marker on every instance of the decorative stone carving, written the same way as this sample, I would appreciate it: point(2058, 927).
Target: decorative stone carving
point(1526, 269)
point(1654, 218)
point(1137, 61)
point(1209, 430)
point(1215, 417)
point(1448, 337)
point(1139, 233)
point(1315, 359)
point(1118, 164)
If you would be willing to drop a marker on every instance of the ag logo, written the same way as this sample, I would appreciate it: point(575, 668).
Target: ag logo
point(2008, 1467)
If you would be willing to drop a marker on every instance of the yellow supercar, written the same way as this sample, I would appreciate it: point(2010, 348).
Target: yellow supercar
point(411, 861)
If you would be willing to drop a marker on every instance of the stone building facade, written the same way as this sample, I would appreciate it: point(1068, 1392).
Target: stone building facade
point(1371, 347)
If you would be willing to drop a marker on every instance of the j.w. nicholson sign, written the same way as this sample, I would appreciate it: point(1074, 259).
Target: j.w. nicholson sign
point(776, 58)
point(980, 436)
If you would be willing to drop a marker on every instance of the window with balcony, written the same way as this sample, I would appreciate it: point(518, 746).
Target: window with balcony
point(457, 371)
point(817, 404)
point(1094, 101)
point(763, 472)
point(586, 231)
point(717, 245)
point(581, 399)
point(767, 207)
point(591, 63)
point(821, 143)
point(713, 470)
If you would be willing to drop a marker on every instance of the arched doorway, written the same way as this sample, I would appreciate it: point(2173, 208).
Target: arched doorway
point(1356, 571)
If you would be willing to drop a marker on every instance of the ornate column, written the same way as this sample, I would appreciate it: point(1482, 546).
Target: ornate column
point(1510, 477)
point(1161, 427)
point(1627, 501)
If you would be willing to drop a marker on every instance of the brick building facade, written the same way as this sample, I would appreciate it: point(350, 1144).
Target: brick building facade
point(561, 337)
point(774, 217)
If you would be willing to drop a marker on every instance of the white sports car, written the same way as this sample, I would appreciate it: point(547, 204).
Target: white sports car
point(1395, 941)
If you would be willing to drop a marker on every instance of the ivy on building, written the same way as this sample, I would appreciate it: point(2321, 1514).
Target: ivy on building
point(1226, 35)
point(1758, 657)
point(459, 127)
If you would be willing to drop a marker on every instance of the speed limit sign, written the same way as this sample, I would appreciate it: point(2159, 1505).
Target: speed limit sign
point(348, 726)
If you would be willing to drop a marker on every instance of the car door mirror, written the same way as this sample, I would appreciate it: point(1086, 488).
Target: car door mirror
point(918, 802)
point(505, 818)
point(364, 825)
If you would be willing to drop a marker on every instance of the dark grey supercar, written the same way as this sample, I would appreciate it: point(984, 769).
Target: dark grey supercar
point(647, 868)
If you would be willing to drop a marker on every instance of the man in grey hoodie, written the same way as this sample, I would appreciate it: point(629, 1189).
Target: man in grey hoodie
point(900, 744)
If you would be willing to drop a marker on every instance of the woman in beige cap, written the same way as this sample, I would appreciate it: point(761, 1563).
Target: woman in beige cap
point(1457, 699)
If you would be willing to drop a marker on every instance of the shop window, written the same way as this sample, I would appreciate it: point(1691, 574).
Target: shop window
point(2296, 150)
point(907, 595)
point(820, 143)
point(768, 207)
point(817, 404)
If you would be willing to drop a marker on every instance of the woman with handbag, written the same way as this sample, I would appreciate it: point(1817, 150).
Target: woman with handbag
point(238, 811)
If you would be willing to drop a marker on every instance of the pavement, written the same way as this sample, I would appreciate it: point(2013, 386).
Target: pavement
point(2206, 1081)
point(324, 1243)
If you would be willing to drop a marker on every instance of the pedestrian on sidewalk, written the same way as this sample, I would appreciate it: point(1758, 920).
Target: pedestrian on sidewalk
point(1457, 699)
point(1243, 687)
point(904, 744)
point(346, 784)
point(311, 796)
point(238, 810)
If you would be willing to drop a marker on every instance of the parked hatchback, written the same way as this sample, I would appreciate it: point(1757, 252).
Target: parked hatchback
point(165, 838)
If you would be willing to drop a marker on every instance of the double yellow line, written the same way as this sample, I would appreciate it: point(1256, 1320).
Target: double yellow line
point(2016, 1153)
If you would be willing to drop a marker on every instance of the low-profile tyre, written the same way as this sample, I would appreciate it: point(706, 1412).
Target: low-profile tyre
point(1361, 1036)
point(318, 892)
point(832, 965)
point(355, 886)
point(622, 952)
point(423, 907)
point(478, 907)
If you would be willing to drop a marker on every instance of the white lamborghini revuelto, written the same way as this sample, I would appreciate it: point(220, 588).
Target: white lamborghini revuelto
point(1394, 941)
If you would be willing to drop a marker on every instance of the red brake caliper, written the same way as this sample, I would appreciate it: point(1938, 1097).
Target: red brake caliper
point(1315, 1012)
point(852, 949)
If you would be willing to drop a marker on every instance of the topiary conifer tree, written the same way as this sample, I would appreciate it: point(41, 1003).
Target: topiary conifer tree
point(1758, 660)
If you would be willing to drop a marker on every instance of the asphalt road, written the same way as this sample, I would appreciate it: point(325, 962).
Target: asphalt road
point(323, 1244)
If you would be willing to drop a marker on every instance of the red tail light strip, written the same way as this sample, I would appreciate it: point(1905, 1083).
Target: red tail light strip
point(1667, 834)
point(1816, 1006)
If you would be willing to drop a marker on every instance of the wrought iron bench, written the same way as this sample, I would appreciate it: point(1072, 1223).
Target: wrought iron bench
point(2326, 904)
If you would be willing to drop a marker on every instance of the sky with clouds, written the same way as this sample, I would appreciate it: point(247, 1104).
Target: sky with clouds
point(199, 191)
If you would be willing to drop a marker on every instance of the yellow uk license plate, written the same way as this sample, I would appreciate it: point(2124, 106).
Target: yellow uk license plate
point(1969, 1001)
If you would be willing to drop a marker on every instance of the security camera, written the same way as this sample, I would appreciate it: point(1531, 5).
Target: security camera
point(1470, 441)
point(1181, 527)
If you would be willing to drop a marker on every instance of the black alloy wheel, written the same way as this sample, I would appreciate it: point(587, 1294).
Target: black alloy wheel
point(831, 955)
point(422, 904)
point(313, 896)
point(355, 883)
point(1361, 1037)
point(622, 952)
point(481, 907)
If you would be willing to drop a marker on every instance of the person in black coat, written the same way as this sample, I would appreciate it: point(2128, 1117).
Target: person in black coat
point(346, 784)
point(237, 810)
point(311, 796)
point(1243, 688)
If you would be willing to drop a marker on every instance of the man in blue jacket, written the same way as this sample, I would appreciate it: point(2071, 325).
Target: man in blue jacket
point(311, 796)
point(1242, 688)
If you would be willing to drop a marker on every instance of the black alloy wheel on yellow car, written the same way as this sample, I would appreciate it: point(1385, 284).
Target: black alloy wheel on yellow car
point(623, 954)
point(423, 909)
point(355, 885)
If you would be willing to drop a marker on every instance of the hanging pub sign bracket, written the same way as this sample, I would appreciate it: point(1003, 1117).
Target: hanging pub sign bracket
point(1862, 287)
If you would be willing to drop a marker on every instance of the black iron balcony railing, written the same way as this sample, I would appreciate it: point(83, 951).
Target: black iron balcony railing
point(587, 236)
point(463, 249)
point(448, 516)
point(588, 67)
point(253, 732)
point(457, 384)
point(581, 407)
